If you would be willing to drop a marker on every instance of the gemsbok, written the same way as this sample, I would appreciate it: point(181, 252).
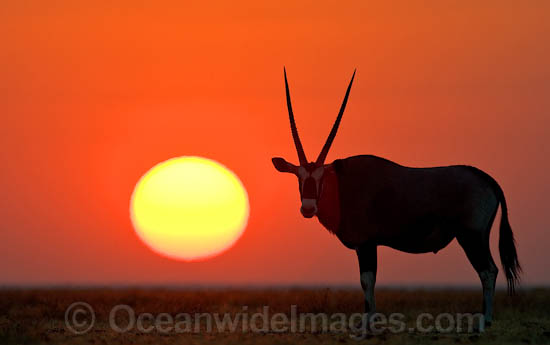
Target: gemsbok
point(368, 201)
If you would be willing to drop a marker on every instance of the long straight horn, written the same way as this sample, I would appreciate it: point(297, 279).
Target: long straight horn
point(295, 136)
point(324, 151)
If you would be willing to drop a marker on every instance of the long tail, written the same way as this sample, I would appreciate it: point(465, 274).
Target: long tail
point(506, 242)
point(507, 248)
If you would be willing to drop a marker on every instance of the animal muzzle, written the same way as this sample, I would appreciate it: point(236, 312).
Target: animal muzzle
point(309, 207)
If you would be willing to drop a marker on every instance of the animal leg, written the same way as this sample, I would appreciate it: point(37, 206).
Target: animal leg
point(367, 267)
point(479, 254)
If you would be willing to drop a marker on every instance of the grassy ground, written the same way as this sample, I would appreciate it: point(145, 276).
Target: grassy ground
point(38, 316)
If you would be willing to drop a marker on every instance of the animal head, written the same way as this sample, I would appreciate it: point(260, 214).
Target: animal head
point(310, 174)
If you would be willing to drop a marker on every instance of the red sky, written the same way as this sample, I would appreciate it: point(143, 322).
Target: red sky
point(92, 96)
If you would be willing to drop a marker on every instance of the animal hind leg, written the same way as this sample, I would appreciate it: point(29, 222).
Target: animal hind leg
point(479, 254)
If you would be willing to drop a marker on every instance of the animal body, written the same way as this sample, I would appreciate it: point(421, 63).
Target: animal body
point(368, 201)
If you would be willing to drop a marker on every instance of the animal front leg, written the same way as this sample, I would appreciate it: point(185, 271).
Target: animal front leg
point(367, 266)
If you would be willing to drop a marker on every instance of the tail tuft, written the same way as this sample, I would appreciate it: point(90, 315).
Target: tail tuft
point(507, 249)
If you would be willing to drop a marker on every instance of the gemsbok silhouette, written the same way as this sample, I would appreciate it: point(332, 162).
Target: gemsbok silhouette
point(368, 201)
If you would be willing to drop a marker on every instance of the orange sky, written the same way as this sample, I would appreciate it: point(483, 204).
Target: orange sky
point(93, 96)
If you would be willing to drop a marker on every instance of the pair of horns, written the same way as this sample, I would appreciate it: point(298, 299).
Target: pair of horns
point(296, 137)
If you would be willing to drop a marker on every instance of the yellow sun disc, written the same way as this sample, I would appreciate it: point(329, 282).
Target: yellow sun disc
point(189, 208)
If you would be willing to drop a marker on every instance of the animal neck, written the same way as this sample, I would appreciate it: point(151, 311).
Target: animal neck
point(328, 205)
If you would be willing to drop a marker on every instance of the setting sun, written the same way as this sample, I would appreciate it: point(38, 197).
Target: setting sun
point(189, 208)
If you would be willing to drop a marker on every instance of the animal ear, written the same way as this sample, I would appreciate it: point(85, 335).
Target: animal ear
point(283, 166)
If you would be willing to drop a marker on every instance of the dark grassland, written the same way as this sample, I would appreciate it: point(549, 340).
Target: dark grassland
point(36, 316)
